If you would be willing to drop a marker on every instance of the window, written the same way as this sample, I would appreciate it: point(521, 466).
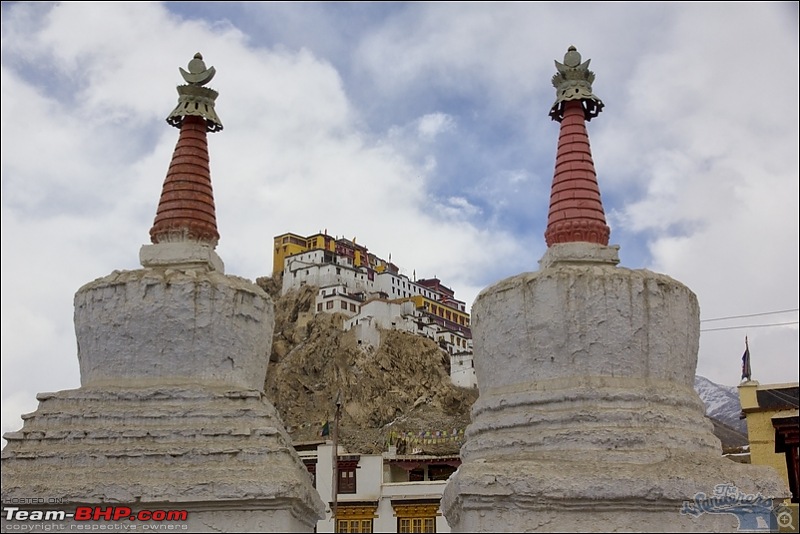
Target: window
point(319, 307)
point(416, 524)
point(416, 517)
point(355, 525)
point(329, 305)
point(347, 481)
point(352, 307)
point(416, 475)
point(347, 476)
point(344, 305)
point(355, 518)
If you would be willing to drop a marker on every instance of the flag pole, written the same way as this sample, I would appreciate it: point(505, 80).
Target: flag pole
point(335, 459)
point(746, 370)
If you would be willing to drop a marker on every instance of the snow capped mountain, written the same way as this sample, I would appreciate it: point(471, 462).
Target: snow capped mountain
point(722, 402)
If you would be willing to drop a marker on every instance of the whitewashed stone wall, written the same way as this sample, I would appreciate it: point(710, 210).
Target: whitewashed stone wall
point(462, 370)
point(221, 454)
point(587, 420)
point(297, 273)
point(387, 315)
point(173, 326)
point(400, 286)
point(171, 413)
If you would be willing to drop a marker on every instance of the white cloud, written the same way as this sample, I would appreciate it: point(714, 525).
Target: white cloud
point(79, 197)
point(459, 208)
point(436, 125)
point(433, 124)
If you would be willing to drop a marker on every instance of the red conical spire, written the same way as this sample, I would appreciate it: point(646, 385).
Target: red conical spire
point(186, 209)
point(576, 211)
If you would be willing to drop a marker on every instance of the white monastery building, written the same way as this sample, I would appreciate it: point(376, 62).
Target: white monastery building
point(372, 293)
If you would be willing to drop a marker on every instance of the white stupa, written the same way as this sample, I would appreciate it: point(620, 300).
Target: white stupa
point(587, 419)
point(171, 413)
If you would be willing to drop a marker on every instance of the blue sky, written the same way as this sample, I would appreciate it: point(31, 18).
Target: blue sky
point(419, 128)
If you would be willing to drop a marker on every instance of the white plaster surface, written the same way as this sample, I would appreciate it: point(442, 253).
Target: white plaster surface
point(587, 419)
point(171, 413)
point(162, 326)
point(181, 254)
point(165, 448)
point(579, 252)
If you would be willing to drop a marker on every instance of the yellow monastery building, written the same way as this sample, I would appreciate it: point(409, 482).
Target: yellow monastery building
point(773, 429)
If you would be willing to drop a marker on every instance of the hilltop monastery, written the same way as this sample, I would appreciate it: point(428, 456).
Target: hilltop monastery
point(372, 293)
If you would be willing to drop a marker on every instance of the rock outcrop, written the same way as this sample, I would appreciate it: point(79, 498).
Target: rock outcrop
point(401, 386)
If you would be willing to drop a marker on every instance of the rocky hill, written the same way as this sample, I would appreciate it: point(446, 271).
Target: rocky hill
point(402, 387)
point(399, 389)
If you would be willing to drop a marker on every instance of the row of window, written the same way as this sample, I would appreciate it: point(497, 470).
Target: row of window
point(445, 313)
point(347, 474)
point(343, 305)
point(427, 294)
point(404, 524)
point(424, 292)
